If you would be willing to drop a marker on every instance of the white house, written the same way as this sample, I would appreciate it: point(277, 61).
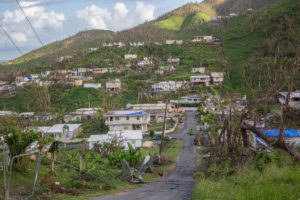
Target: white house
point(173, 60)
point(81, 114)
point(294, 101)
point(198, 70)
point(203, 38)
point(113, 85)
point(170, 42)
point(64, 132)
point(121, 120)
point(200, 80)
point(133, 137)
point(151, 106)
point(92, 85)
point(187, 99)
point(145, 62)
point(217, 78)
point(130, 56)
point(7, 113)
point(166, 86)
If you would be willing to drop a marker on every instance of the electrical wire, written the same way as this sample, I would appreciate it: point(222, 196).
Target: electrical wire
point(36, 34)
point(12, 41)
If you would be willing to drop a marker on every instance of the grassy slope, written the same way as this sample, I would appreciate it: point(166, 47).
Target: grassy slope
point(250, 39)
point(278, 180)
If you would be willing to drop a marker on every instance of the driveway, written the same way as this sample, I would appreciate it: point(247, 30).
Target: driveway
point(179, 183)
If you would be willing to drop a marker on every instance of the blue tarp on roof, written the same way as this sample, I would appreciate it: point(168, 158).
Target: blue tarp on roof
point(287, 133)
point(138, 113)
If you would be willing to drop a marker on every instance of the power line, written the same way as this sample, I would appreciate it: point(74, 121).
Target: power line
point(38, 37)
point(12, 41)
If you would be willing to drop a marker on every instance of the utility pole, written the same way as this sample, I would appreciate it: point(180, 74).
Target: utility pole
point(163, 131)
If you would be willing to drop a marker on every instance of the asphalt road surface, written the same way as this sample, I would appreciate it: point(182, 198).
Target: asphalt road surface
point(179, 183)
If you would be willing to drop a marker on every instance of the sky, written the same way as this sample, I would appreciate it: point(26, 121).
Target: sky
point(58, 19)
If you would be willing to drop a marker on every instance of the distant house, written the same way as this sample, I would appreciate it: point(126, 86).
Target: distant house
point(4, 85)
point(173, 60)
point(151, 106)
point(217, 78)
point(166, 86)
point(130, 56)
point(200, 69)
point(113, 85)
point(64, 132)
point(145, 62)
point(44, 116)
point(78, 82)
point(7, 113)
point(121, 120)
point(102, 70)
point(164, 69)
point(204, 38)
point(171, 42)
point(81, 114)
point(63, 58)
point(200, 80)
point(93, 49)
point(28, 115)
point(133, 137)
point(294, 100)
point(137, 44)
point(193, 99)
point(92, 85)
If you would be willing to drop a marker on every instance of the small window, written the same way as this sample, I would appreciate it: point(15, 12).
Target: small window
point(127, 118)
point(117, 118)
point(111, 119)
point(138, 117)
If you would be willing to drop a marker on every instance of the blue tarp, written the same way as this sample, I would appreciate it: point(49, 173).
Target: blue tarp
point(287, 133)
point(138, 113)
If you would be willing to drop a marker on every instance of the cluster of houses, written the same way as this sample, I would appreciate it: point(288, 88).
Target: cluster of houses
point(128, 125)
point(83, 77)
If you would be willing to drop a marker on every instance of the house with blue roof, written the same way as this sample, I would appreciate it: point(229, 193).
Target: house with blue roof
point(122, 120)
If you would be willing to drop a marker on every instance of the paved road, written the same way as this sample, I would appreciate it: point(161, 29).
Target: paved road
point(179, 183)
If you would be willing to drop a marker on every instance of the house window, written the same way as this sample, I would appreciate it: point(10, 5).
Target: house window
point(117, 118)
point(111, 119)
point(127, 118)
point(138, 117)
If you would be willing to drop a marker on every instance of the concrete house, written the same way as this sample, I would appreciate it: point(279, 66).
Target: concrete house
point(92, 85)
point(203, 38)
point(44, 117)
point(145, 62)
point(113, 85)
point(217, 78)
point(200, 80)
point(173, 61)
point(171, 42)
point(81, 114)
point(102, 70)
point(294, 101)
point(166, 86)
point(187, 99)
point(64, 132)
point(151, 106)
point(127, 120)
point(200, 69)
point(134, 137)
point(130, 56)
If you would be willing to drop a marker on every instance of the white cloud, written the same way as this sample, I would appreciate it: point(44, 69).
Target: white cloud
point(19, 37)
point(94, 16)
point(120, 9)
point(37, 15)
point(47, 24)
point(145, 12)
